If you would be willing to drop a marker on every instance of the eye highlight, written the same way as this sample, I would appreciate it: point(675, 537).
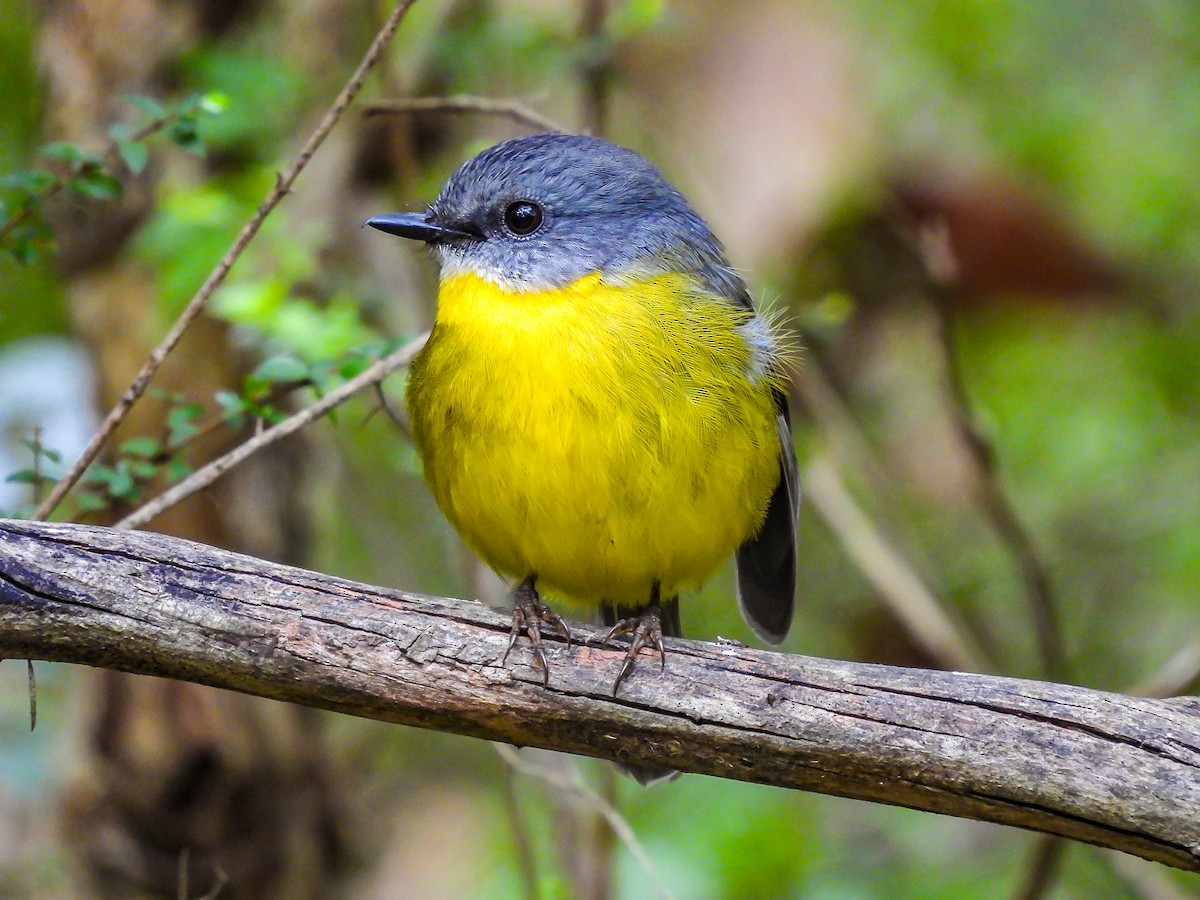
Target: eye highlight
point(523, 217)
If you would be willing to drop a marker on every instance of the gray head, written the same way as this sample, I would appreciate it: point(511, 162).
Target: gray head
point(541, 211)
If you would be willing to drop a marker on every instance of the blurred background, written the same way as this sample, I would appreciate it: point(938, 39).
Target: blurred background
point(981, 220)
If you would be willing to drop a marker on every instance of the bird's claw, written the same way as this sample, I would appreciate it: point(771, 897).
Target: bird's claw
point(529, 612)
point(646, 630)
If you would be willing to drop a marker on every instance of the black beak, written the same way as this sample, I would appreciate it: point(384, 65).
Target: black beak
point(416, 227)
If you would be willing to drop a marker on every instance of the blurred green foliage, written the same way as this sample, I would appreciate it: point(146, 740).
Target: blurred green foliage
point(29, 294)
point(1094, 410)
point(263, 97)
point(1096, 101)
point(26, 236)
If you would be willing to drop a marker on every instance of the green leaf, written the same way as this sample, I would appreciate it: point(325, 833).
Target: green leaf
point(184, 133)
point(24, 251)
point(142, 468)
point(96, 185)
point(31, 183)
point(26, 242)
point(636, 18)
point(255, 303)
point(214, 102)
point(177, 470)
point(134, 154)
point(181, 433)
point(181, 423)
point(145, 447)
point(323, 371)
point(233, 408)
point(99, 475)
point(185, 412)
point(65, 151)
point(26, 476)
point(271, 415)
point(91, 502)
point(122, 484)
point(148, 105)
point(189, 105)
point(281, 368)
point(39, 450)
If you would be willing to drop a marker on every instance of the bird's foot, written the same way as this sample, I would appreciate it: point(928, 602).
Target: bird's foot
point(529, 612)
point(646, 630)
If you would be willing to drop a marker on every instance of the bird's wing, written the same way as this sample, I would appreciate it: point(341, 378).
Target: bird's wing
point(766, 564)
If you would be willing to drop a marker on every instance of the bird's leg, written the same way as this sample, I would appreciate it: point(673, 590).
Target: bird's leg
point(529, 612)
point(646, 629)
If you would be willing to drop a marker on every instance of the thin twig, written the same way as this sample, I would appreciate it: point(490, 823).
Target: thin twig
point(621, 828)
point(595, 66)
point(891, 575)
point(526, 863)
point(206, 475)
point(399, 419)
point(181, 876)
point(1145, 879)
point(605, 838)
point(26, 210)
point(37, 464)
point(464, 103)
point(220, 879)
point(824, 398)
point(1044, 865)
point(934, 248)
point(283, 185)
point(998, 508)
point(32, 694)
point(864, 539)
point(1179, 675)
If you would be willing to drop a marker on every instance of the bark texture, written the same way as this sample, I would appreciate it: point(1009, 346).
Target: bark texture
point(1116, 771)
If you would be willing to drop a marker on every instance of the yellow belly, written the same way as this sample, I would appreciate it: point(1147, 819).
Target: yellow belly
point(601, 438)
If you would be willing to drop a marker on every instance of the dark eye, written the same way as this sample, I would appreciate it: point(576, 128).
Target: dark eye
point(523, 217)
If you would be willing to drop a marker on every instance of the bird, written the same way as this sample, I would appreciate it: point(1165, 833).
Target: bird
point(600, 411)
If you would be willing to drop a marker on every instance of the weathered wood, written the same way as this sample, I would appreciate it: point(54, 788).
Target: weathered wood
point(1115, 771)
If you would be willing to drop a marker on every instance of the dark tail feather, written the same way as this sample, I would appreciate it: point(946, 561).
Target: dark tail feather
point(766, 564)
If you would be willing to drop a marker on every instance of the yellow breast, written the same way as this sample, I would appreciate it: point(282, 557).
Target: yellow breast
point(599, 436)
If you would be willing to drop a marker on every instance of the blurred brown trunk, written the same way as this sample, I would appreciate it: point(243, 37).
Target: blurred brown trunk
point(177, 781)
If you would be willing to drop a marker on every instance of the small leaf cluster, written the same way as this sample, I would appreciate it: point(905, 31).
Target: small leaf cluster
point(262, 389)
point(139, 460)
point(36, 474)
point(278, 376)
point(25, 235)
point(142, 460)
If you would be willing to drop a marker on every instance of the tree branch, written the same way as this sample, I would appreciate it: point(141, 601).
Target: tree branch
point(1116, 771)
point(464, 103)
